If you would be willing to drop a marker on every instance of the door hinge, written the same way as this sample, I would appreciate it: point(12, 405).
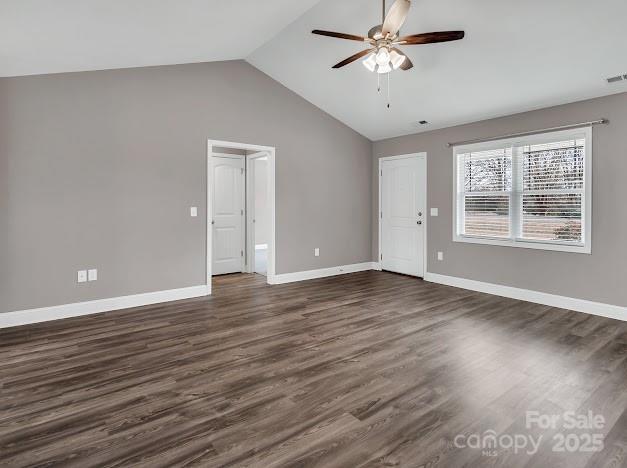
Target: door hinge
point(381, 256)
point(382, 215)
point(381, 172)
point(241, 253)
point(242, 212)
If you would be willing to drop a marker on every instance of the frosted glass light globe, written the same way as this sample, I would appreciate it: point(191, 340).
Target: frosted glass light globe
point(383, 56)
point(385, 68)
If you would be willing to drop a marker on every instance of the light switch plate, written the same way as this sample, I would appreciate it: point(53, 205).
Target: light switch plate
point(81, 277)
point(440, 256)
point(434, 211)
point(316, 252)
point(92, 275)
point(193, 211)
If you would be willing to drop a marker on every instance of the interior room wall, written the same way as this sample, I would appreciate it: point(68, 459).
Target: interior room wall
point(4, 197)
point(599, 276)
point(100, 169)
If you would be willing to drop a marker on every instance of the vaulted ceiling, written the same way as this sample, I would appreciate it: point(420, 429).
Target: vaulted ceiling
point(71, 35)
point(517, 55)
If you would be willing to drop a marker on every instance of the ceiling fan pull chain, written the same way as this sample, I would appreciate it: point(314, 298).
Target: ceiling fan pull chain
point(388, 89)
point(378, 82)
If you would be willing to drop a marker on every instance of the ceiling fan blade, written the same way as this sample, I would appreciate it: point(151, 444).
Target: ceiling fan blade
point(395, 17)
point(430, 38)
point(352, 58)
point(350, 37)
point(407, 64)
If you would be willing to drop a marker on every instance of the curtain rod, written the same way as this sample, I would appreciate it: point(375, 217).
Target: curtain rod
point(534, 132)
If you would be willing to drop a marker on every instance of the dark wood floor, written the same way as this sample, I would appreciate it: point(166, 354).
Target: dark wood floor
point(366, 369)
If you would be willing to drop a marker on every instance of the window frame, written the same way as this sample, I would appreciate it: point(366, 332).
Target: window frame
point(516, 194)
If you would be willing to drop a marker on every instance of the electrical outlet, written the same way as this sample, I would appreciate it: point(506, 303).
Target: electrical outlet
point(434, 211)
point(92, 275)
point(440, 256)
point(193, 211)
point(316, 252)
point(81, 277)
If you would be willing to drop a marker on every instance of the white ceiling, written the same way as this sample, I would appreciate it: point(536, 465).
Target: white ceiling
point(517, 55)
point(49, 36)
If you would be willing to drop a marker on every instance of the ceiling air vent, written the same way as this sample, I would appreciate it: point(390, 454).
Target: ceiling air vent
point(617, 78)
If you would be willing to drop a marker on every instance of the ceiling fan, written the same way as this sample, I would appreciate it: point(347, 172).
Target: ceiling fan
point(383, 55)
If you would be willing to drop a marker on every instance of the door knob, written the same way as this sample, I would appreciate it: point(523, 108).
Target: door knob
point(213, 221)
point(420, 213)
point(418, 222)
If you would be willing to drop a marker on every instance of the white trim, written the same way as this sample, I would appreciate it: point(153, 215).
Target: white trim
point(553, 300)
point(516, 194)
point(44, 314)
point(271, 201)
point(250, 208)
point(526, 244)
point(426, 218)
point(227, 155)
point(240, 146)
point(401, 156)
point(323, 272)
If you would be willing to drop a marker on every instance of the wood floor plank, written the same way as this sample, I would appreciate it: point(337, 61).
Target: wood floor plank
point(364, 369)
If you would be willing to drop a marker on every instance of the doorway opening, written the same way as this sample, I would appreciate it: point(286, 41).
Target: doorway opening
point(258, 212)
point(240, 211)
point(402, 214)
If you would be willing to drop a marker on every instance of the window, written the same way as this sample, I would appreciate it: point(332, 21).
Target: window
point(528, 192)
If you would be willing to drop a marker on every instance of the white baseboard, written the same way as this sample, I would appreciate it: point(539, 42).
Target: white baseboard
point(44, 314)
point(322, 273)
point(553, 300)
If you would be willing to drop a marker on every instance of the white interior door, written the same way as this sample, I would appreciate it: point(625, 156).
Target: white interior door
point(228, 215)
point(403, 206)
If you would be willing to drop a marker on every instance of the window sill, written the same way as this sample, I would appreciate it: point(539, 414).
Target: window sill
point(525, 244)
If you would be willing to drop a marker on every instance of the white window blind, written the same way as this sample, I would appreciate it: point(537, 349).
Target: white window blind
point(486, 192)
point(533, 192)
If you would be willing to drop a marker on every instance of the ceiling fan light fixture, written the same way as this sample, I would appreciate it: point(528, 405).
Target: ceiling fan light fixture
point(383, 56)
point(370, 62)
point(385, 68)
point(396, 59)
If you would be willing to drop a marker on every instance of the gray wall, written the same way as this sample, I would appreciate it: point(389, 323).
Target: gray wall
point(4, 198)
point(598, 277)
point(99, 169)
